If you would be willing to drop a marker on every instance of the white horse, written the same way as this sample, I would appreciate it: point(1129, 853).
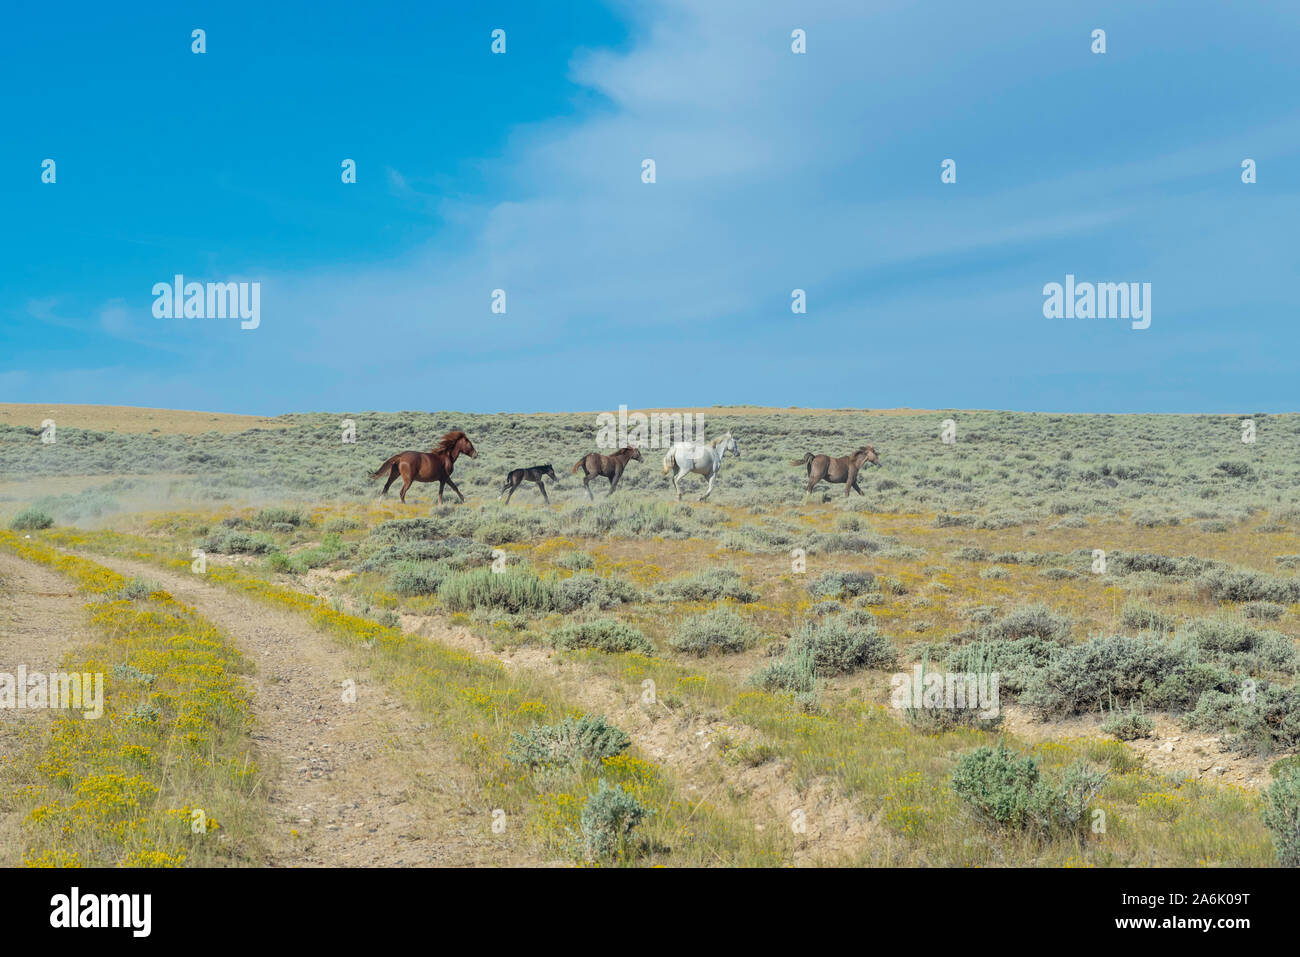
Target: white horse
point(702, 458)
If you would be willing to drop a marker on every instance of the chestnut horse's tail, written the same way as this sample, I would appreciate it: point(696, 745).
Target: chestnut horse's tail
point(384, 468)
point(807, 459)
point(577, 465)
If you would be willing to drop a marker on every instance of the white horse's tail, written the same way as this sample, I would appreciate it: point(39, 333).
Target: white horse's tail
point(670, 458)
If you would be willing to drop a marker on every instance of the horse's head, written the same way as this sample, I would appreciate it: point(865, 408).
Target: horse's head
point(550, 471)
point(454, 444)
point(633, 453)
point(725, 443)
point(867, 454)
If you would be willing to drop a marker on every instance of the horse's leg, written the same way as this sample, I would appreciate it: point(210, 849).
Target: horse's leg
point(510, 493)
point(613, 480)
point(442, 484)
point(856, 489)
point(542, 487)
point(709, 491)
point(586, 479)
point(408, 476)
point(850, 481)
point(677, 481)
point(455, 489)
point(392, 477)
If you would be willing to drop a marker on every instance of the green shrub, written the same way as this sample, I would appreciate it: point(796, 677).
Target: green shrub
point(410, 530)
point(608, 819)
point(1122, 670)
point(125, 672)
point(1145, 618)
point(712, 585)
point(795, 672)
point(499, 532)
point(278, 561)
point(237, 543)
point(1154, 520)
point(1006, 790)
point(1026, 620)
point(944, 520)
point(590, 739)
point(1263, 610)
point(513, 589)
point(1016, 661)
point(719, 630)
point(1173, 567)
point(458, 553)
point(576, 561)
point(268, 518)
point(1234, 469)
point(1238, 645)
point(1128, 725)
point(842, 644)
point(31, 520)
point(418, 578)
point(1262, 723)
point(1002, 787)
point(603, 634)
point(586, 590)
point(961, 705)
point(1285, 766)
point(1281, 815)
point(1243, 585)
point(338, 526)
point(842, 584)
point(137, 589)
point(1060, 574)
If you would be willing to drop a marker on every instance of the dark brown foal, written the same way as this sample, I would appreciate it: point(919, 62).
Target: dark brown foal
point(534, 474)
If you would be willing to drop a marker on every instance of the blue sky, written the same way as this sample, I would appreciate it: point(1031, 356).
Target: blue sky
point(775, 171)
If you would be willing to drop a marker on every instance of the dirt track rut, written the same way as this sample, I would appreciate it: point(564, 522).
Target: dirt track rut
point(41, 617)
point(362, 784)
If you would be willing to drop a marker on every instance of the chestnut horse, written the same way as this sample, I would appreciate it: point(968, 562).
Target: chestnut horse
point(844, 469)
point(432, 466)
point(610, 466)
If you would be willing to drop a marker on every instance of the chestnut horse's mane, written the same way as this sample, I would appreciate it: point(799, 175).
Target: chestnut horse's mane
point(447, 441)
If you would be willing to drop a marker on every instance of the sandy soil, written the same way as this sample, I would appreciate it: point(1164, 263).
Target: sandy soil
point(41, 618)
point(1172, 749)
point(361, 784)
point(684, 742)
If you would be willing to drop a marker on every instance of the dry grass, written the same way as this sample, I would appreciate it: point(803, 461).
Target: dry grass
point(126, 418)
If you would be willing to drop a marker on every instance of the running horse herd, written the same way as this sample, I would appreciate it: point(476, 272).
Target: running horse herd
point(684, 458)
